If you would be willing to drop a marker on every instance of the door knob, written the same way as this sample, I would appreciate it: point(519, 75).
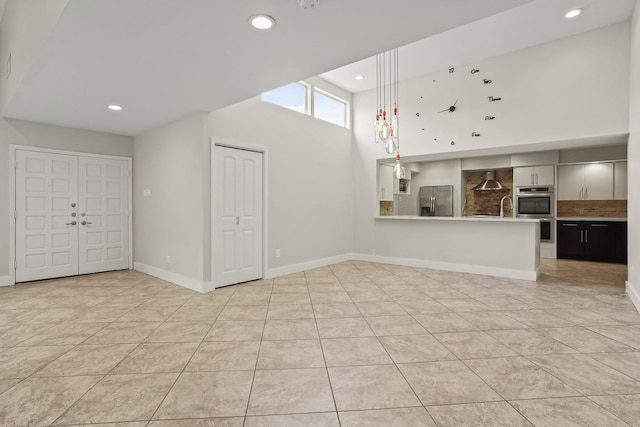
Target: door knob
point(71, 223)
point(85, 223)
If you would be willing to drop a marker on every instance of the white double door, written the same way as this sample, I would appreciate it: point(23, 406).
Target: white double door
point(237, 216)
point(71, 214)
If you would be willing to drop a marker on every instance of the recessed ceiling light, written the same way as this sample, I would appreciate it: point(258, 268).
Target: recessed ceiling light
point(359, 77)
point(573, 13)
point(114, 107)
point(262, 22)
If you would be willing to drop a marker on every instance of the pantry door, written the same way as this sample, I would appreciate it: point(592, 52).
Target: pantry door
point(104, 214)
point(46, 222)
point(237, 216)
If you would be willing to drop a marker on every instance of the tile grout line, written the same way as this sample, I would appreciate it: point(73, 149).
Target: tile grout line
point(204, 336)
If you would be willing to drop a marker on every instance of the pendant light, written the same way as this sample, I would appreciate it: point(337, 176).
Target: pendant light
point(386, 130)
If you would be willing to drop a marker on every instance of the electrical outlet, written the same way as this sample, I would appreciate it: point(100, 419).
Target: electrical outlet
point(277, 253)
point(168, 259)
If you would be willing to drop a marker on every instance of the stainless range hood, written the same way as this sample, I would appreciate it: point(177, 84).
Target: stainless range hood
point(490, 182)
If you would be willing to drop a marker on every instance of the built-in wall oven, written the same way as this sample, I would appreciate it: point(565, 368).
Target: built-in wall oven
point(538, 202)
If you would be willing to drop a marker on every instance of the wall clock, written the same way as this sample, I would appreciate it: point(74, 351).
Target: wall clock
point(459, 104)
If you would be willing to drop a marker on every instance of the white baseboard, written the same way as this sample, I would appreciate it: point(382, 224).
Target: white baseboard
point(4, 281)
point(634, 293)
point(178, 279)
point(206, 286)
point(446, 266)
point(308, 265)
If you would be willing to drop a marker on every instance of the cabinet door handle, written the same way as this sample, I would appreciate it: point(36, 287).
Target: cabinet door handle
point(532, 182)
point(569, 225)
point(586, 193)
point(382, 192)
point(581, 236)
point(586, 236)
point(536, 179)
point(598, 225)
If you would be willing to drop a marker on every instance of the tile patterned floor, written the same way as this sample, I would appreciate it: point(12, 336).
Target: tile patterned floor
point(352, 344)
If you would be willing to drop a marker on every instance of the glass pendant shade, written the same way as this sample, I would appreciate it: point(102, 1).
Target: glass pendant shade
point(390, 146)
point(384, 131)
point(386, 126)
point(398, 170)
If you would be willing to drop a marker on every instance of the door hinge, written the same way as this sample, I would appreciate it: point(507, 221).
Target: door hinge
point(15, 265)
point(15, 165)
point(15, 214)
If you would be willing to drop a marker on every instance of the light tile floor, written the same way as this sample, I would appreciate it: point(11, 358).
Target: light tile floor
point(352, 344)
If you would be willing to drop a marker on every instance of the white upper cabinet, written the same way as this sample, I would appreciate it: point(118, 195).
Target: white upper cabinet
point(620, 180)
point(570, 182)
point(585, 182)
point(598, 181)
point(533, 175)
point(385, 180)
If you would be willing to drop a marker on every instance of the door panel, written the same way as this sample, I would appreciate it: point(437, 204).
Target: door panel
point(104, 212)
point(237, 216)
point(55, 190)
point(46, 189)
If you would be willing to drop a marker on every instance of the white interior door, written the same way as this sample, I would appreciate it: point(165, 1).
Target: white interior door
point(104, 214)
point(71, 214)
point(237, 216)
point(46, 215)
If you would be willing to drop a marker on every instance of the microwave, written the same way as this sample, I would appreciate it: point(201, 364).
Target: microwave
point(535, 202)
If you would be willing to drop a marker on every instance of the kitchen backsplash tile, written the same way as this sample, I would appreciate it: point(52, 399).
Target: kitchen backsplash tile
point(488, 202)
point(386, 208)
point(592, 208)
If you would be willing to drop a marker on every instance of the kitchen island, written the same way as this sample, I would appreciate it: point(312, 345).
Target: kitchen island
point(504, 247)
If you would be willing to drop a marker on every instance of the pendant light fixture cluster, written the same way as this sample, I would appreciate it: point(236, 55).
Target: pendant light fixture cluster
point(387, 131)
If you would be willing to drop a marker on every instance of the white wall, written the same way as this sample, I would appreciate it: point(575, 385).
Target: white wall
point(569, 89)
point(169, 222)
point(39, 17)
point(309, 179)
point(21, 132)
point(633, 153)
point(309, 190)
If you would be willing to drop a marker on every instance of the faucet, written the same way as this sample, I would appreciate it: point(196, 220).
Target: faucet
point(502, 205)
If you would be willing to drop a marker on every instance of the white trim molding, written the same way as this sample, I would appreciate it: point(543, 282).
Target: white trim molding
point(207, 286)
point(634, 293)
point(308, 265)
point(169, 276)
point(446, 266)
point(5, 281)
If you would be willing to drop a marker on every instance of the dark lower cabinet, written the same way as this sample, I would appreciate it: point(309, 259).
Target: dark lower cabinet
point(604, 241)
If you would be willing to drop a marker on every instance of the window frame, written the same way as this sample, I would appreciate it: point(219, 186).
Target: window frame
point(327, 94)
point(309, 102)
point(307, 97)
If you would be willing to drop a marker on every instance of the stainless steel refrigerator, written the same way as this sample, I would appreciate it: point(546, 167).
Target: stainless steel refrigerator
point(436, 200)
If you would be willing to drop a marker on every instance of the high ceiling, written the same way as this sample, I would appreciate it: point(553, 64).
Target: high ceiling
point(165, 59)
point(518, 28)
